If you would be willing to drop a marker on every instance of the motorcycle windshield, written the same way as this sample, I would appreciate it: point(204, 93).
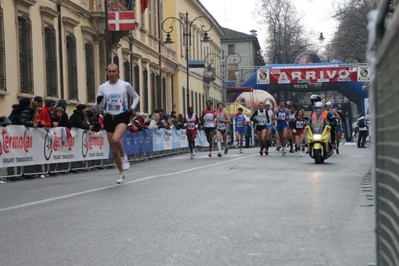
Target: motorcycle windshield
point(317, 125)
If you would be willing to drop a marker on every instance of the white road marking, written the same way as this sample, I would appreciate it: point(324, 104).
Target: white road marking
point(41, 189)
point(33, 203)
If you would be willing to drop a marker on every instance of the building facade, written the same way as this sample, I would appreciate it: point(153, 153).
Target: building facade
point(249, 51)
point(57, 49)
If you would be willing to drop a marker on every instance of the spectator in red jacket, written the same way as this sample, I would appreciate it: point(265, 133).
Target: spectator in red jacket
point(45, 114)
point(141, 118)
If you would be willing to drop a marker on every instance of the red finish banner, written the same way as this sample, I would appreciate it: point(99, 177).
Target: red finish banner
point(313, 75)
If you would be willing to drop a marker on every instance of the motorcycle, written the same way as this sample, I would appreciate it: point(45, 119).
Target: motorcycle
point(318, 138)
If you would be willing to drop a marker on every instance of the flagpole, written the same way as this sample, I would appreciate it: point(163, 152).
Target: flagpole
point(106, 34)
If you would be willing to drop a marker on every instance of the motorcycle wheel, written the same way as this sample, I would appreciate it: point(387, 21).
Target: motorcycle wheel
point(317, 157)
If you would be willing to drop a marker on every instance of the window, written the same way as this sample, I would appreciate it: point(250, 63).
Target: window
point(126, 66)
point(137, 84)
point(153, 104)
point(231, 49)
point(2, 54)
point(72, 68)
point(196, 103)
point(25, 54)
point(51, 61)
point(116, 60)
point(192, 99)
point(145, 85)
point(199, 104)
point(150, 12)
point(184, 100)
point(159, 93)
point(155, 20)
point(90, 71)
point(164, 92)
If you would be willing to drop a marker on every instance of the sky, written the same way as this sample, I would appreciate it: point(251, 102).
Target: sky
point(237, 15)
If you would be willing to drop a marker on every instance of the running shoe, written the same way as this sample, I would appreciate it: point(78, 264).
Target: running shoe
point(219, 154)
point(267, 152)
point(120, 178)
point(283, 152)
point(226, 151)
point(191, 156)
point(300, 154)
point(240, 150)
point(210, 154)
point(337, 151)
point(125, 163)
point(292, 151)
point(278, 148)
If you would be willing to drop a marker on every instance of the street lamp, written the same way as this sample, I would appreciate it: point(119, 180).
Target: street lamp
point(210, 71)
point(187, 27)
point(236, 60)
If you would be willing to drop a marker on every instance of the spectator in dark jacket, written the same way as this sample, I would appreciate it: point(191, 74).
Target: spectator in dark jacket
point(78, 118)
point(64, 121)
point(93, 120)
point(23, 114)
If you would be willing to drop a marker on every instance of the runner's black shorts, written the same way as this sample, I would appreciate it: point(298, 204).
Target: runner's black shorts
point(111, 121)
point(209, 129)
point(260, 128)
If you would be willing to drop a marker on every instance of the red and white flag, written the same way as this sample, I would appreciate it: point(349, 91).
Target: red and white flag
point(144, 5)
point(121, 20)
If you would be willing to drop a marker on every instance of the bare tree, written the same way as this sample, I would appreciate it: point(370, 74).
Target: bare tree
point(285, 33)
point(350, 39)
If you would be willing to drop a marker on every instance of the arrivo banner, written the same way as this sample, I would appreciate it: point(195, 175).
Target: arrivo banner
point(21, 146)
point(312, 75)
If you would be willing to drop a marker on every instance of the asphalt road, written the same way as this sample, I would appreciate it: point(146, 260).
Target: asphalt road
point(241, 209)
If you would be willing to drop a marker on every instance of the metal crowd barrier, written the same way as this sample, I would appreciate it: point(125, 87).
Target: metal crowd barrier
point(384, 91)
point(23, 172)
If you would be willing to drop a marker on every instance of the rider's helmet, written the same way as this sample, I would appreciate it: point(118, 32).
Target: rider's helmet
point(318, 107)
point(315, 98)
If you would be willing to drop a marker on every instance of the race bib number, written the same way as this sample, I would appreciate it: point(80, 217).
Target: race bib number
point(208, 120)
point(114, 106)
point(222, 126)
point(240, 124)
point(282, 116)
point(262, 121)
point(190, 126)
point(299, 124)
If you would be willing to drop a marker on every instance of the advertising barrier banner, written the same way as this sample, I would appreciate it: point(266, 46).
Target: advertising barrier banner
point(20, 146)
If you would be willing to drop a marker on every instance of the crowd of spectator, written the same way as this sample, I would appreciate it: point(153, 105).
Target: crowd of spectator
point(158, 119)
point(38, 113)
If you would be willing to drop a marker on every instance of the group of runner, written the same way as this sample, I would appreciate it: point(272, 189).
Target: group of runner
point(288, 124)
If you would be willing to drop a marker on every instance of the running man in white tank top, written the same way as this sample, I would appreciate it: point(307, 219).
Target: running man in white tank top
point(191, 124)
point(208, 121)
point(117, 114)
point(222, 119)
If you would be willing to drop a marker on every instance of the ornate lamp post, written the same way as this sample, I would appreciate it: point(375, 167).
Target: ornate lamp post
point(187, 27)
point(236, 60)
point(210, 71)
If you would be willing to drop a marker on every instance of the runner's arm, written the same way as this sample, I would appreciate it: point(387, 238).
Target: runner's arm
point(253, 115)
point(133, 93)
point(99, 99)
point(228, 118)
